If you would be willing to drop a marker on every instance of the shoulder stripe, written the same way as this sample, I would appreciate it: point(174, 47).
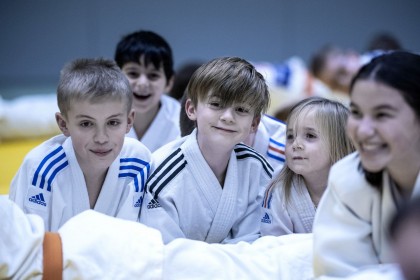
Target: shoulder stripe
point(243, 151)
point(165, 170)
point(135, 178)
point(268, 195)
point(240, 148)
point(55, 172)
point(49, 167)
point(276, 142)
point(276, 150)
point(132, 167)
point(169, 178)
point(162, 165)
point(50, 155)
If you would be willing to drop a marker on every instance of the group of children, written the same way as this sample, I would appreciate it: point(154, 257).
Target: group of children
point(238, 174)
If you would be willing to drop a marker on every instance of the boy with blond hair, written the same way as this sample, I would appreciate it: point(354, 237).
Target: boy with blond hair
point(208, 185)
point(91, 165)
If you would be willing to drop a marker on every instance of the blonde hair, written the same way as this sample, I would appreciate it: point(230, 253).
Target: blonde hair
point(331, 118)
point(232, 80)
point(93, 80)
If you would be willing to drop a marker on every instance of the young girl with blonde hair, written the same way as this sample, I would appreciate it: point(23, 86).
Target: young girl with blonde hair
point(315, 140)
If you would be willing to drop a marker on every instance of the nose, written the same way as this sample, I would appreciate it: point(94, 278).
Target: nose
point(365, 128)
point(142, 81)
point(227, 115)
point(101, 136)
point(297, 144)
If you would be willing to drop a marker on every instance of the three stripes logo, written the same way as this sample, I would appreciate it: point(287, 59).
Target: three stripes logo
point(137, 169)
point(153, 204)
point(266, 219)
point(139, 202)
point(38, 199)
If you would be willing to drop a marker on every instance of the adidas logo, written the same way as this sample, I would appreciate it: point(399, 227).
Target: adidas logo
point(139, 202)
point(153, 204)
point(38, 199)
point(266, 219)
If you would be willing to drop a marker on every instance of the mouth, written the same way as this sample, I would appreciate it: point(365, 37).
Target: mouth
point(371, 147)
point(298, 158)
point(224, 129)
point(141, 97)
point(101, 153)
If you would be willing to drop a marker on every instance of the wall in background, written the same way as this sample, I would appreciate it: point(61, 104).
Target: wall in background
point(39, 37)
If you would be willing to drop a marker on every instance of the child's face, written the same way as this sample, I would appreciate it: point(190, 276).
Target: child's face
point(306, 153)
point(339, 70)
point(147, 83)
point(383, 127)
point(221, 127)
point(97, 131)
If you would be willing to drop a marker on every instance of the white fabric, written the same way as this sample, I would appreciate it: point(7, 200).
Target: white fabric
point(21, 239)
point(377, 272)
point(283, 257)
point(270, 141)
point(96, 246)
point(185, 199)
point(50, 182)
point(352, 221)
point(281, 217)
point(28, 116)
point(165, 126)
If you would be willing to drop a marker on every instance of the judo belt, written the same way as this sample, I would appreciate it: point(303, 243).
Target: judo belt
point(53, 257)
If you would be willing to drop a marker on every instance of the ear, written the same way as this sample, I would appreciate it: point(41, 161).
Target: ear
point(170, 84)
point(62, 124)
point(255, 123)
point(190, 110)
point(130, 120)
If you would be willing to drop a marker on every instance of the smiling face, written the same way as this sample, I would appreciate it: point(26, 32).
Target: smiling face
point(221, 127)
point(383, 128)
point(97, 131)
point(147, 83)
point(306, 152)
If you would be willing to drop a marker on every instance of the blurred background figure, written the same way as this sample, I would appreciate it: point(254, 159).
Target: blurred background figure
point(384, 41)
point(405, 232)
point(182, 77)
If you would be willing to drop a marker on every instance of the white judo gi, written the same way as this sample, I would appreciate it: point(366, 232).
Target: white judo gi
point(50, 182)
point(96, 246)
point(351, 224)
point(279, 217)
point(185, 199)
point(165, 126)
point(270, 141)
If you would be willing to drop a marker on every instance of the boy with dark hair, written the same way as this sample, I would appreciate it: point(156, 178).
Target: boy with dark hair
point(146, 60)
